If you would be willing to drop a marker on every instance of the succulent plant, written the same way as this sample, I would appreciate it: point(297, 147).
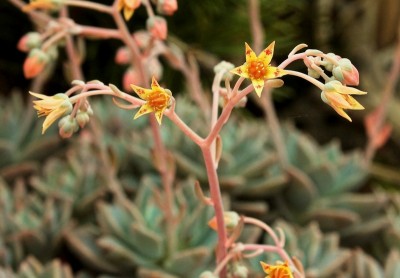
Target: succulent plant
point(362, 265)
point(22, 146)
point(29, 224)
point(320, 254)
point(33, 268)
point(133, 235)
point(77, 177)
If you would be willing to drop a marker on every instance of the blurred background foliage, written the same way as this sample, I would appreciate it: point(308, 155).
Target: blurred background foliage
point(58, 196)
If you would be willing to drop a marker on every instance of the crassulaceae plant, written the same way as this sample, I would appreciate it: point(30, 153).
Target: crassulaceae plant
point(72, 109)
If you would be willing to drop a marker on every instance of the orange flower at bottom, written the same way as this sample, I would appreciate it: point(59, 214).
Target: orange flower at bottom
point(157, 100)
point(277, 271)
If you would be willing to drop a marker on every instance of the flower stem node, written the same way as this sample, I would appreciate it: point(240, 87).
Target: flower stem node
point(258, 68)
point(338, 96)
point(231, 220)
point(53, 107)
point(226, 67)
point(68, 126)
point(157, 100)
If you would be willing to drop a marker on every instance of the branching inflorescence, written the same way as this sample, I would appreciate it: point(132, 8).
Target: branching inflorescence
point(141, 52)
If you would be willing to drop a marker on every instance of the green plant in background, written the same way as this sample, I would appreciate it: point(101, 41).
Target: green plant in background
point(30, 224)
point(122, 197)
point(21, 147)
point(133, 235)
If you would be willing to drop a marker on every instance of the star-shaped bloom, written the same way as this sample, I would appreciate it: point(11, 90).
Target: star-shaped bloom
point(277, 271)
point(258, 68)
point(157, 100)
point(53, 107)
point(338, 96)
point(129, 6)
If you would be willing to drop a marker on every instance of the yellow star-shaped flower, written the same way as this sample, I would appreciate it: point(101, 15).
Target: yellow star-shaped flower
point(53, 107)
point(258, 68)
point(129, 6)
point(277, 271)
point(338, 96)
point(157, 100)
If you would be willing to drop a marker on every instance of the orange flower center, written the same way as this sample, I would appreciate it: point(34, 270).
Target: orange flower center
point(256, 70)
point(158, 100)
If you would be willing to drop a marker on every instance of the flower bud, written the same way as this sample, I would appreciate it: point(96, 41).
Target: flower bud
point(123, 56)
point(35, 63)
point(131, 76)
point(231, 219)
point(346, 72)
point(157, 26)
point(67, 126)
point(239, 271)
point(82, 117)
point(207, 274)
point(29, 41)
point(142, 38)
point(167, 7)
point(226, 67)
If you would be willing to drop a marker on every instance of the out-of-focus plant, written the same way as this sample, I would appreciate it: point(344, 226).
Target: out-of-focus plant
point(165, 227)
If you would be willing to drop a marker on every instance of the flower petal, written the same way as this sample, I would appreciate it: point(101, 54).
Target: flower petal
point(144, 109)
point(250, 55)
point(241, 71)
point(341, 112)
point(154, 84)
point(159, 114)
point(128, 12)
point(347, 90)
point(258, 85)
point(274, 72)
point(355, 105)
point(267, 53)
point(141, 92)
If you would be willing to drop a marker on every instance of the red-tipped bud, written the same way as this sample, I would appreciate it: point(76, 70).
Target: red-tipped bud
point(123, 56)
point(167, 7)
point(35, 63)
point(131, 76)
point(346, 72)
point(157, 26)
point(29, 41)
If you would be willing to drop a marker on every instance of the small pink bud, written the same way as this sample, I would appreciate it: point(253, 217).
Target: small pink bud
point(131, 76)
point(350, 73)
point(123, 56)
point(29, 41)
point(167, 7)
point(157, 26)
point(35, 63)
point(67, 126)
